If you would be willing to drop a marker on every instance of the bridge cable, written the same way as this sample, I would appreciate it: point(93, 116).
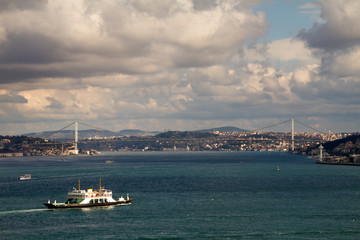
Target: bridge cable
point(98, 128)
point(258, 129)
point(309, 127)
point(59, 130)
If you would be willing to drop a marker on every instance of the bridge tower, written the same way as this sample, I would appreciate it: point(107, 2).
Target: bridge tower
point(76, 138)
point(292, 135)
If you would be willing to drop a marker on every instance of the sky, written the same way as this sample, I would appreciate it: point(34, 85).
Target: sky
point(179, 64)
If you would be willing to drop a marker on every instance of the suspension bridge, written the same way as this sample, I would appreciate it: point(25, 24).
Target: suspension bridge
point(77, 123)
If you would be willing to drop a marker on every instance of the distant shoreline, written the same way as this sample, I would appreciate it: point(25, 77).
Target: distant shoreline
point(339, 163)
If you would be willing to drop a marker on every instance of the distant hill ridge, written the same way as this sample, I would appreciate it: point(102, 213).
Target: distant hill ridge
point(92, 133)
point(223, 129)
point(185, 134)
point(330, 146)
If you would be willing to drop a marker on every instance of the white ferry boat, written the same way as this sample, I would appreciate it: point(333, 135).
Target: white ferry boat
point(24, 177)
point(79, 198)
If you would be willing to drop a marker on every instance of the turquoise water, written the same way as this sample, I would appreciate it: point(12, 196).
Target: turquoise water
point(183, 195)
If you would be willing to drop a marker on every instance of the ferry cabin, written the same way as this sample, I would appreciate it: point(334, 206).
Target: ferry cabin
point(89, 196)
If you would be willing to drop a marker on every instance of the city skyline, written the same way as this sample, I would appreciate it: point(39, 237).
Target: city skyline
point(179, 65)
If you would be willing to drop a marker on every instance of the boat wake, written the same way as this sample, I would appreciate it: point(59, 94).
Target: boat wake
point(23, 211)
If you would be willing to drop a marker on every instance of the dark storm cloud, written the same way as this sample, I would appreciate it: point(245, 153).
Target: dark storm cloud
point(30, 48)
point(19, 74)
point(28, 74)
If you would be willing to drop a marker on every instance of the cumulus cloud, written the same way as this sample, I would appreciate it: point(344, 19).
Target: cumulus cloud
point(290, 49)
point(336, 41)
point(87, 38)
point(160, 65)
point(343, 63)
point(340, 29)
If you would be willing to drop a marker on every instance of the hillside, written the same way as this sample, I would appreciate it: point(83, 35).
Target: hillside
point(91, 133)
point(344, 146)
point(94, 133)
point(186, 134)
point(223, 129)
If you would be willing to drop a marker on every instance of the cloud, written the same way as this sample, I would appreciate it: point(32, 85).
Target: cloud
point(343, 63)
point(7, 5)
point(340, 29)
point(290, 54)
point(290, 49)
point(29, 48)
point(54, 103)
point(158, 65)
point(336, 41)
point(90, 38)
point(12, 98)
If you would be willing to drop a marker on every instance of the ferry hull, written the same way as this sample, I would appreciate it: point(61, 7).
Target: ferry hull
point(57, 206)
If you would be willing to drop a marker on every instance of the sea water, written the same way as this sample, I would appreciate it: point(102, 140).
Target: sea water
point(183, 195)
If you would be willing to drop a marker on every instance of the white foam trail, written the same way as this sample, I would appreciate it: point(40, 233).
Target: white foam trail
point(23, 211)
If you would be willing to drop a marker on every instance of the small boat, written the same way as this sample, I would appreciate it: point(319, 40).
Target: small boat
point(24, 177)
point(79, 198)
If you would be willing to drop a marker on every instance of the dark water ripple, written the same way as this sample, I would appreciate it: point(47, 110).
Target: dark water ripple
point(189, 195)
